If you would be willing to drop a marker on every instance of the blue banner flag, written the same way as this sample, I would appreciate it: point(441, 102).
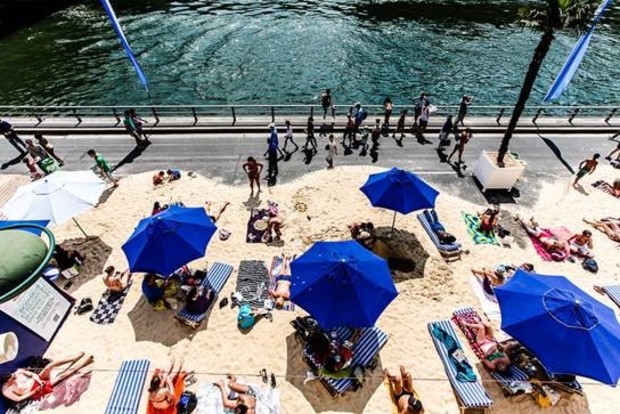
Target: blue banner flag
point(574, 59)
point(119, 31)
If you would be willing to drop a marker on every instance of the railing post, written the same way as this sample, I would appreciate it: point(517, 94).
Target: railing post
point(312, 111)
point(273, 115)
point(77, 116)
point(195, 116)
point(232, 108)
point(155, 115)
point(540, 110)
point(570, 119)
point(118, 118)
point(611, 114)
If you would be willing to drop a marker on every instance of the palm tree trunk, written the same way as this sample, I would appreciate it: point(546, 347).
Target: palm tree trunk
point(532, 73)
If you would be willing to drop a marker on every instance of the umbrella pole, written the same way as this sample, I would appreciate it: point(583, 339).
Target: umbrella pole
point(393, 223)
point(79, 227)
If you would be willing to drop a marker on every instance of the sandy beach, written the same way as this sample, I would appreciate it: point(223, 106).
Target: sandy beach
point(318, 207)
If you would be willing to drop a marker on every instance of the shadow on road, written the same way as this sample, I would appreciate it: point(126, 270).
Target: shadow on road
point(14, 161)
point(557, 152)
point(133, 154)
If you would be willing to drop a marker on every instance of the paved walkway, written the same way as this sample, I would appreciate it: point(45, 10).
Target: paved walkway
point(220, 156)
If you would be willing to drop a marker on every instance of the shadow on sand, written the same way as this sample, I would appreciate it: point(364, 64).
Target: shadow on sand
point(316, 394)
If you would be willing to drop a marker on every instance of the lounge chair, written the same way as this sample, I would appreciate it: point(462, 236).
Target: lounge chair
point(613, 292)
point(215, 280)
point(127, 390)
point(364, 351)
point(512, 382)
point(471, 394)
point(448, 251)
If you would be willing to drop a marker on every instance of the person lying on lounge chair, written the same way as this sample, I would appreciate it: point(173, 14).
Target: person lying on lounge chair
point(557, 248)
point(166, 388)
point(581, 244)
point(609, 225)
point(282, 292)
point(245, 403)
point(23, 384)
point(404, 395)
point(438, 228)
point(116, 281)
point(495, 358)
point(199, 299)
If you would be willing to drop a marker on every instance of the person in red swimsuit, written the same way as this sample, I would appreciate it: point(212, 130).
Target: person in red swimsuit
point(23, 384)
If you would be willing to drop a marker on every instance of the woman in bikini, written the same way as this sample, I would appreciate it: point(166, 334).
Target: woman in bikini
point(404, 395)
point(609, 225)
point(253, 170)
point(558, 249)
point(494, 358)
point(166, 388)
point(116, 281)
point(282, 292)
point(23, 385)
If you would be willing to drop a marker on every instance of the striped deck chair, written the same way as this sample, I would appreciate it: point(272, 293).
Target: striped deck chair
point(447, 251)
point(215, 280)
point(512, 382)
point(364, 351)
point(128, 387)
point(613, 292)
point(471, 395)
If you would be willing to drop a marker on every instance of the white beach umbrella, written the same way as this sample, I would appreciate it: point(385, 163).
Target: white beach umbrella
point(56, 197)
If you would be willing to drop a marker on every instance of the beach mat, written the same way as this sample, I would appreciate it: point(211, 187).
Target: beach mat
point(253, 235)
point(562, 233)
point(540, 249)
point(67, 392)
point(277, 264)
point(109, 306)
point(604, 187)
point(253, 282)
point(473, 222)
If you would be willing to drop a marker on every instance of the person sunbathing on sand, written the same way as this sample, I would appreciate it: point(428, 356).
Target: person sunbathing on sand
point(489, 219)
point(282, 292)
point(609, 225)
point(403, 392)
point(557, 248)
point(166, 388)
point(581, 244)
point(245, 403)
point(23, 384)
point(215, 217)
point(116, 281)
point(497, 276)
point(495, 358)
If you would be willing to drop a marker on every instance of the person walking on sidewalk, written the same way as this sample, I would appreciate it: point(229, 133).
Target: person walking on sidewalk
point(465, 102)
point(586, 167)
point(9, 133)
point(388, 107)
point(138, 122)
point(103, 166)
point(310, 134)
point(349, 131)
point(400, 128)
point(327, 103)
point(419, 103)
point(332, 151)
point(459, 147)
point(132, 129)
point(288, 136)
point(47, 146)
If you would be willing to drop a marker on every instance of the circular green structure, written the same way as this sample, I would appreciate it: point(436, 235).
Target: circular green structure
point(23, 258)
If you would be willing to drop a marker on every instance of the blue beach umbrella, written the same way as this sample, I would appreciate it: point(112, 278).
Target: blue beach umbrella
point(400, 191)
point(342, 284)
point(567, 329)
point(168, 240)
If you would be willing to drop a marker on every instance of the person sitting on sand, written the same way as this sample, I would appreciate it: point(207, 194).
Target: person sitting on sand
point(199, 299)
point(153, 288)
point(159, 178)
point(275, 223)
point(557, 248)
point(158, 208)
point(438, 228)
point(116, 281)
point(244, 403)
point(166, 388)
point(403, 392)
point(488, 220)
point(495, 358)
point(609, 225)
point(581, 244)
point(282, 292)
point(215, 217)
point(23, 385)
point(340, 354)
point(173, 175)
point(363, 233)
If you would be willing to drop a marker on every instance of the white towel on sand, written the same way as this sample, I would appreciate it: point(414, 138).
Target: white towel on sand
point(490, 308)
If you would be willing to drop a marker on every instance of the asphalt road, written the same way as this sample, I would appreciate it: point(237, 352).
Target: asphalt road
point(221, 157)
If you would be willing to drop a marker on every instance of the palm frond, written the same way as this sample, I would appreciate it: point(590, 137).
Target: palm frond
point(545, 15)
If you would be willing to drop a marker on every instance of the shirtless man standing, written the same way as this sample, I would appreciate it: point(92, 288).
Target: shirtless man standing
point(253, 170)
point(586, 167)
